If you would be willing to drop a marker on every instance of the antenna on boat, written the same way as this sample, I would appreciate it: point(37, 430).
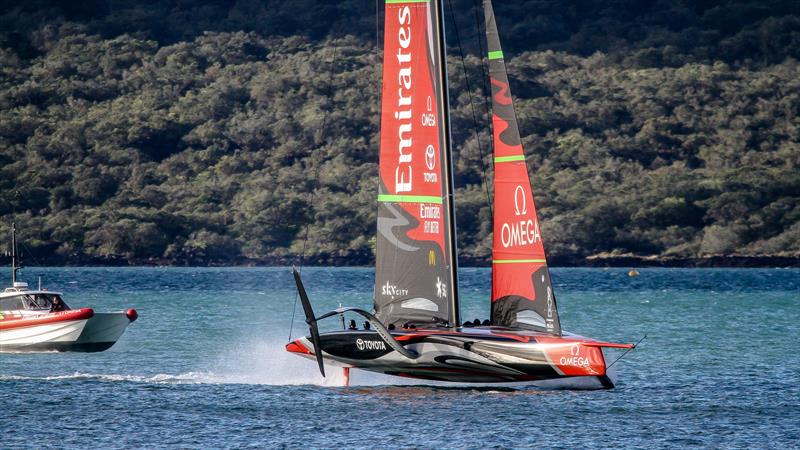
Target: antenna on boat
point(14, 267)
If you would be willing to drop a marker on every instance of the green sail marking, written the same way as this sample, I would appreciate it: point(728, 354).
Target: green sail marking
point(410, 198)
point(497, 54)
point(502, 159)
point(518, 261)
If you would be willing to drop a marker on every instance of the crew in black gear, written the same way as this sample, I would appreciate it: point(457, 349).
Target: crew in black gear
point(58, 305)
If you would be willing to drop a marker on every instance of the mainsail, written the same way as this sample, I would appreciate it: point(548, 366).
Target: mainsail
point(522, 294)
point(415, 273)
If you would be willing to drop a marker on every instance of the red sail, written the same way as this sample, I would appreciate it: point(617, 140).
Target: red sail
point(414, 279)
point(522, 294)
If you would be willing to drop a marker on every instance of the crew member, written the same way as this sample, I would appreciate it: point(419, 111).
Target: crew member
point(58, 305)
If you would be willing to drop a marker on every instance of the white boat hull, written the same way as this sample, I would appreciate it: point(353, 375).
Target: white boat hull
point(103, 330)
point(50, 336)
point(94, 334)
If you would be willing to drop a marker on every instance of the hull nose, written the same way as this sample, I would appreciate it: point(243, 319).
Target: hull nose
point(298, 347)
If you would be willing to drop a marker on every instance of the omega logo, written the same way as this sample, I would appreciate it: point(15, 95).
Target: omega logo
point(428, 119)
point(519, 197)
point(575, 360)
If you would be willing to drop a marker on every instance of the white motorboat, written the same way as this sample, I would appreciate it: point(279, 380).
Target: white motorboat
point(39, 320)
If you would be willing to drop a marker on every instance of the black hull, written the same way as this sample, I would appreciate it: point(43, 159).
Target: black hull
point(470, 355)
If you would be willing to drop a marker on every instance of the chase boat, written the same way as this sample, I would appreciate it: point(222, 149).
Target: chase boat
point(416, 329)
point(39, 320)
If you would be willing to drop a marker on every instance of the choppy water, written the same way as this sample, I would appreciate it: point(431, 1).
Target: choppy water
point(204, 367)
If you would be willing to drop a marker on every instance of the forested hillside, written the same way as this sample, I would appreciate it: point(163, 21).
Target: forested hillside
point(199, 132)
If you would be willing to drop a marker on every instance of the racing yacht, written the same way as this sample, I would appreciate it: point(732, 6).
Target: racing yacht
point(415, 329)
point(39, 320)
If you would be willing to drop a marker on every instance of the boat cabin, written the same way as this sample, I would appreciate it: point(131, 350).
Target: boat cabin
point(19, 298)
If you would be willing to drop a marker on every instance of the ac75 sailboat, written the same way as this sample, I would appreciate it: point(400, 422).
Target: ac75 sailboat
point(416, 329)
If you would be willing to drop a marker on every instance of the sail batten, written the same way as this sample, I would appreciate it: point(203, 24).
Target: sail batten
point(522, 292)
point(409, 199)
point(415, 273)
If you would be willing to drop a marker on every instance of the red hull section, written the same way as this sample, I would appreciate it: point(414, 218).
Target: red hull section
point(10, 323)
point(297, 347)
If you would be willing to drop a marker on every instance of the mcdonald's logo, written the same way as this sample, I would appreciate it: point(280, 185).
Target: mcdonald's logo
point(431, 258)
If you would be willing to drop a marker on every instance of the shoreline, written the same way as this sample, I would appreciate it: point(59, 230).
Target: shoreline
point(625, 261)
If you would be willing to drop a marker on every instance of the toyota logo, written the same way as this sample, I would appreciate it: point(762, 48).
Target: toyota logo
point(360, 344)
point(430, 157)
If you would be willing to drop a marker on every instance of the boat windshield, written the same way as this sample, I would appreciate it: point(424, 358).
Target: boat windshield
point(43, 301)
point(14, 303)
point(30, 302)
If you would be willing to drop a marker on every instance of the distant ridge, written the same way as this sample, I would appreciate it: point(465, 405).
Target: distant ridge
point(190, 132)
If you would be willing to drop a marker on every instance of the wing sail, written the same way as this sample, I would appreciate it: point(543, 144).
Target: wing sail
point(414, 275)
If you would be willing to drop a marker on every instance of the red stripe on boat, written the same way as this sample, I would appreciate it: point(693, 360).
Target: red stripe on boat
point(44, 319)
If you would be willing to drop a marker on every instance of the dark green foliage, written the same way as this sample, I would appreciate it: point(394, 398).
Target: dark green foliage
point(210, 132)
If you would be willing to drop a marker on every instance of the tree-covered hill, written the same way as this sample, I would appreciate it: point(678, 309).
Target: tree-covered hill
point(226, 132)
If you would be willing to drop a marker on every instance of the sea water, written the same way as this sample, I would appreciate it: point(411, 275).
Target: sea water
point(204, 367)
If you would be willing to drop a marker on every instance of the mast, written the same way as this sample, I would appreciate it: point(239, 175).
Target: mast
point(14, 267)
point(441, 49)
